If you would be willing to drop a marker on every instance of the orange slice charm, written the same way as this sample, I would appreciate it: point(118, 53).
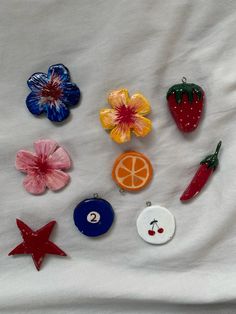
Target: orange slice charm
point(132, 171)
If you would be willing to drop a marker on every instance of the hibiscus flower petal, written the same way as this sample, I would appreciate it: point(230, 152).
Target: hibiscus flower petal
point(119, 97)
point(107, 118)
point(58, 72)
point(142, 126)
point(140, 103)
point(71, 94)
point(120, 134)
point(37, 81)
point(57, 112)
point(45, 148)
point(25, 160)
point(33, 103)
point(34, 183)
point(59, 159)
point(56, 179)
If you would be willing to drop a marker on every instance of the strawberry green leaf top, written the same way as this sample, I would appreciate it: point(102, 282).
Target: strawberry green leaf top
point(185, 88)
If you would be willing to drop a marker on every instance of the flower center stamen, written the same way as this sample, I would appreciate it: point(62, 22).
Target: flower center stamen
point(42, 166)
point(125, 115)
point(51, 92)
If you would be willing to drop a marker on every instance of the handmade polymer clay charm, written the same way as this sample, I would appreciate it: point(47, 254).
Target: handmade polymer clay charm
point(126, 116)
point(44, 168)
point(132, 171)
point(52, 93)
point(207, 166)
point(36, 243)
point(155, 224)
point(94, 216)
point(185, 102)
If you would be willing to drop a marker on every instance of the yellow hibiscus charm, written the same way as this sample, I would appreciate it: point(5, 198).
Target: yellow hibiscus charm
point(126, 116)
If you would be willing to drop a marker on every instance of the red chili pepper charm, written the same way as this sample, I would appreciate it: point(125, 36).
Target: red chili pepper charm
point(207, 167)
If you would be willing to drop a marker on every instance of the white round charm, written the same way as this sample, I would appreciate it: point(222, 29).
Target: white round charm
point(93, 217)
point(156, 225)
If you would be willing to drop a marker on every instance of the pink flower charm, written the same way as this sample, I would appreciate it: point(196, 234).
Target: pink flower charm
point(44, 167)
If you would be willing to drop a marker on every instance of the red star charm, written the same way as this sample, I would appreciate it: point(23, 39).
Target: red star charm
point(36, 243)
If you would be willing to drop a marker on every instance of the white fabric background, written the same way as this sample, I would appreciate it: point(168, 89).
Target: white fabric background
point(141, 45)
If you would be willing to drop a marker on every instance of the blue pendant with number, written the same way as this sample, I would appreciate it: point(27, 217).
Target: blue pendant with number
point(93, 217)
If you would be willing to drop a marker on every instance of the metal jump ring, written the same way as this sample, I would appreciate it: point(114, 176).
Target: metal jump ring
point(122, 191)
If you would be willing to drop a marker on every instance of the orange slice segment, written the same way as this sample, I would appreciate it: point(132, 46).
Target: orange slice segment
point(128, 162)
point(132, 171)
point(123, 172)
point(139, 163)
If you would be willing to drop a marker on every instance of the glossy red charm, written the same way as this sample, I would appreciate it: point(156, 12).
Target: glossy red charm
point(36, 243)
point(207, 167)
point(186, 105)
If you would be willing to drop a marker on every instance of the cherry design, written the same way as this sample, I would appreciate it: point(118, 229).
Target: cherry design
point(151, 232)
point(153, 223)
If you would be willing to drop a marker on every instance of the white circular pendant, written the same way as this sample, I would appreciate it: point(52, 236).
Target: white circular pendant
point(156, 225)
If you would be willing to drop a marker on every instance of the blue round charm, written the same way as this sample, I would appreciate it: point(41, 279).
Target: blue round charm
point(93, 217)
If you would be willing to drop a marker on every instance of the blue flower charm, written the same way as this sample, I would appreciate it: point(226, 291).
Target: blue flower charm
point(52, 93)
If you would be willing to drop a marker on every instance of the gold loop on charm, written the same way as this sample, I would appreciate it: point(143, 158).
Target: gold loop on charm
point(122, 191)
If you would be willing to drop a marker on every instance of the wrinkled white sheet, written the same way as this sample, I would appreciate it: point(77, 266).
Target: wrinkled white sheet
point(141, 45)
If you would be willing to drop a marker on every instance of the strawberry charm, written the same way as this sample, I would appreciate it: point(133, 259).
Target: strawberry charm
point(185, 102)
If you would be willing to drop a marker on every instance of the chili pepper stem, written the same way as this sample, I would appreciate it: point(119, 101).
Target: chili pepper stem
point(218, 148)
